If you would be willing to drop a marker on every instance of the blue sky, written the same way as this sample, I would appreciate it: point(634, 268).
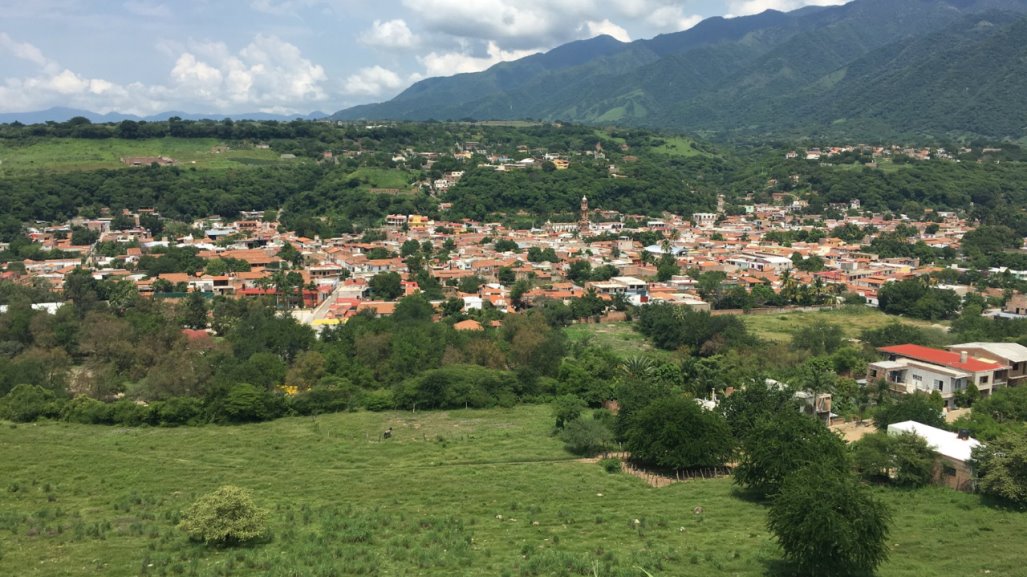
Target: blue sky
point(294, 56)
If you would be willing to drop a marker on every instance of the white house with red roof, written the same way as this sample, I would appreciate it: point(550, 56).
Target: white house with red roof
point(912, 368)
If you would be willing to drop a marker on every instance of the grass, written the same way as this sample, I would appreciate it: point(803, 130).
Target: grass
point(854, 320)
point(620, 338)
point(457, 493)
point(679, 146)
point(68, 154)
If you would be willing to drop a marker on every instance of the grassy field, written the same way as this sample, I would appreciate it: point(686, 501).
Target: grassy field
point(624, 340)
point(853, 320)
point(458, 493)
point(620, 338)
point(679, 146)
point(76, 154)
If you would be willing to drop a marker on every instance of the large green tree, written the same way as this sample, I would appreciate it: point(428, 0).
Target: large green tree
point(675, 432)
point(828, 523)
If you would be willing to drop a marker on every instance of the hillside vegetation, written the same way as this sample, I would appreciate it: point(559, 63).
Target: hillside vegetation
point(869, 68)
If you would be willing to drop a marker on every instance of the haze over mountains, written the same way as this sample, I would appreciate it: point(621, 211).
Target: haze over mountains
point(61, 114)
point(870, 68)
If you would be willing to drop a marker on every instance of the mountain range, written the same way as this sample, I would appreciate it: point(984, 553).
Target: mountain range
point(867, 69)
point(61, 114)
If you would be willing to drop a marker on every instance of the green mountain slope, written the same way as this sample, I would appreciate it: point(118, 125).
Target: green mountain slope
point(848, 69)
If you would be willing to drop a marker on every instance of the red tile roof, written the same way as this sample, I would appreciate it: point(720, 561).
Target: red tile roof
point(940, 357)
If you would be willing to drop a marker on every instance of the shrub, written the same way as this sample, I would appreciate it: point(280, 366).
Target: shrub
point(178, 411)
point(26, 403)
point(610, 465)
point(1002, 467)
point(87, 411)
point(918, 407)
point(586, 437)
point(379, 400)
point(904, 459)
point(130, 413)
point(324, 399)
point(228, 516)
point(246, 403)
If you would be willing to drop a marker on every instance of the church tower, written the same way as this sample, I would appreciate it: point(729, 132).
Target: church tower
point(583, 223)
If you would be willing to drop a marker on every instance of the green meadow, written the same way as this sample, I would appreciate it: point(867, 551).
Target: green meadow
point(69, 154)
point(452, 493)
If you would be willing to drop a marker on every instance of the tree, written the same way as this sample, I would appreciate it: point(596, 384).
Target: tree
point(579, 272)
point(783, 443)
point(228, 516)
point(386, 285)
point(194, 311)
point(567, 408)
point(289, 254)
point(1002, 467)
point(829, 524)
point(919, 407)
point(819, 338)
point(745, 408)
point(26, 403)
point(676, 432)
point(586, 436)
point(904, 460)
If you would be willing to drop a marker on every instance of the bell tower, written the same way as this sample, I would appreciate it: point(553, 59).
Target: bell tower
point(583, 223)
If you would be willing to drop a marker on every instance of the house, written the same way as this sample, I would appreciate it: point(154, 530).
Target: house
point(952, 465)
point(1016, 305)
point(913, 368)
point(1012, 354)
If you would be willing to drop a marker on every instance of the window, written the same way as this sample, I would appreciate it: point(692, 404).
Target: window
point(917, 378)
point(873, 373)
point(949, 471)
point(984, 380)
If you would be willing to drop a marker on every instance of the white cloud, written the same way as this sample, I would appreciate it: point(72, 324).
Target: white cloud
point(450, 63)
point(373, 81)
point(26, 51)
point(672, 19)
point(147, 9)
point(390, 34)
point(267, 74)
point(608, 28)
point(745, 7)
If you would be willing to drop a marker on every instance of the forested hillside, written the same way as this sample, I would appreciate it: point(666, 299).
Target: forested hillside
point(870, 68)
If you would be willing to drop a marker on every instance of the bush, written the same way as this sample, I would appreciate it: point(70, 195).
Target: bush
point(567, 409)
point(610, 465)
point(26, 403)
point(586, 437)
point(1002, 467)
point(226, 517)
point(246, 403)
point(919, 407)
point(324, 399)
point(379, 400)
point(87, 411)
point(178, 411)
point(904, 460)
point(829, 524)
point(130, 413)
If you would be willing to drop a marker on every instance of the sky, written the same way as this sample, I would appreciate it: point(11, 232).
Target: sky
point(295, 56)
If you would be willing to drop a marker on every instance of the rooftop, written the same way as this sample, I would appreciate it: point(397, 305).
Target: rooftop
point(940, 357)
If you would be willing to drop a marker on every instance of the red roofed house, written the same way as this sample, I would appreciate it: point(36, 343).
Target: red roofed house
point(912, 368)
